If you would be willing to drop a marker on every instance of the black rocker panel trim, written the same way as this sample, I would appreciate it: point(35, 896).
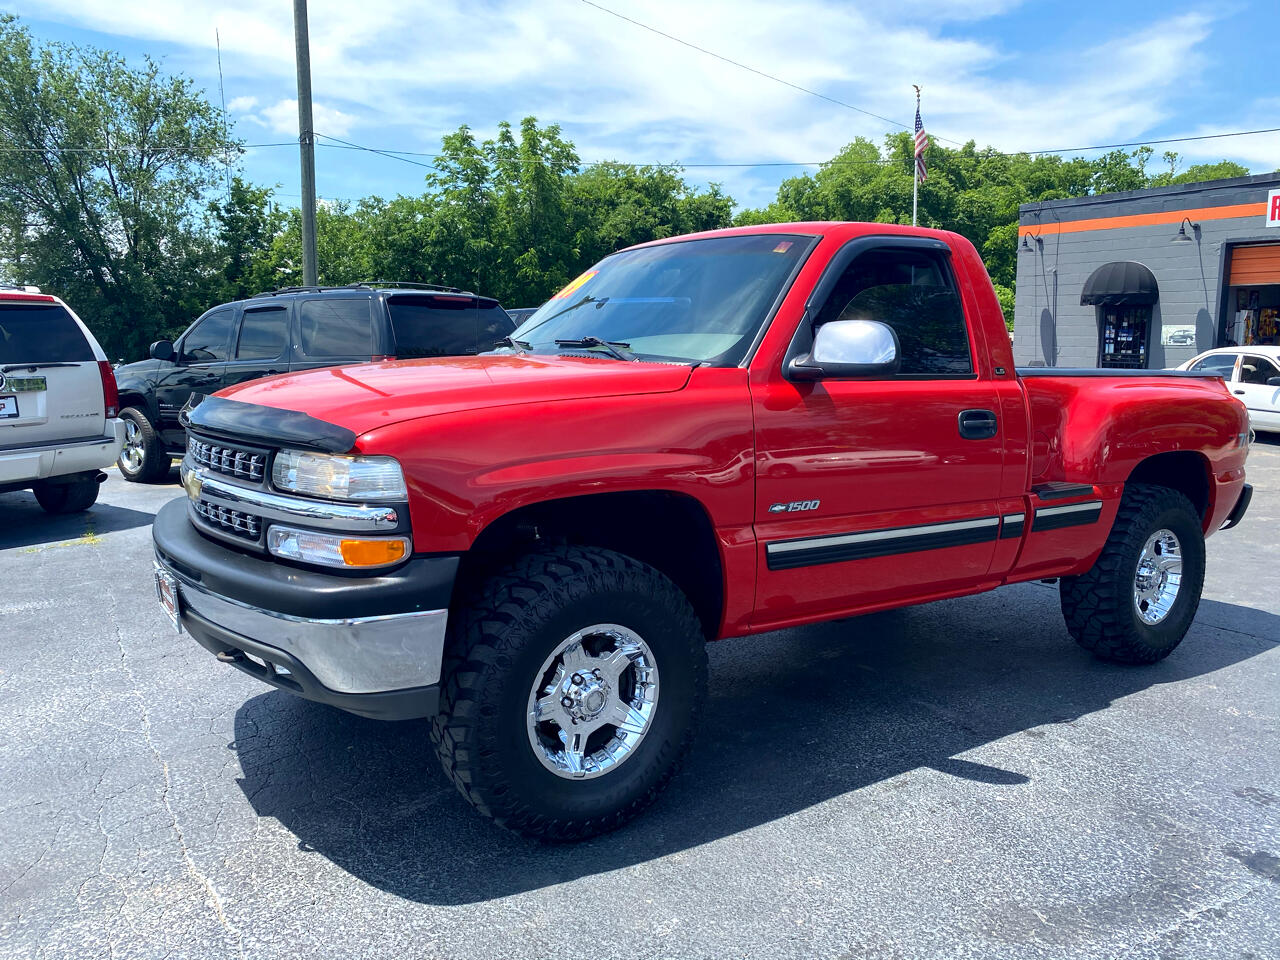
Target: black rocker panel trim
point(1011, 529)
point(1074, 515)
point(1062, 491)
point(837, 548)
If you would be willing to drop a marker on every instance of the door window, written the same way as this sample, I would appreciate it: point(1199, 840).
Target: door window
point(206, 342)
point(1259, 370)
point(1219, 363)
point(336, 328)
point(913, 293)
point(264, 333)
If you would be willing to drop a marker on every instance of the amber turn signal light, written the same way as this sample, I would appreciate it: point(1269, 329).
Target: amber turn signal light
point(371, 553)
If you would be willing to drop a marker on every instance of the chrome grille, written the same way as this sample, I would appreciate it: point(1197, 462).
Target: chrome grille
point(237, 522)
point(224, 459)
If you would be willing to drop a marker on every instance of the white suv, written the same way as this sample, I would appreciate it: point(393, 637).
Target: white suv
point(59, 423)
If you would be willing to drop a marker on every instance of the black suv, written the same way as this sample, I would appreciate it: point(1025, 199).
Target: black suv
point(296, 328)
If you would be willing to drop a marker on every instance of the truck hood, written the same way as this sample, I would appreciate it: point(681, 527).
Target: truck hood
point(364, 396)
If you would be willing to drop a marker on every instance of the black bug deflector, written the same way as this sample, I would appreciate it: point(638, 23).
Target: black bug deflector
point(236, 419)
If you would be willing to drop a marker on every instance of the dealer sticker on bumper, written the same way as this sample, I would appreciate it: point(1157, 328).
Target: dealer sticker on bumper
point(167, 594)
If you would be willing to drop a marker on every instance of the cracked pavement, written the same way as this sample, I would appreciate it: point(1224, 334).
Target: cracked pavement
point(955, 780)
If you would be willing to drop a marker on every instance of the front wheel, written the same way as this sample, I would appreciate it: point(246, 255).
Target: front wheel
point(570, 691)
point(1138, 601)
point(142, 458)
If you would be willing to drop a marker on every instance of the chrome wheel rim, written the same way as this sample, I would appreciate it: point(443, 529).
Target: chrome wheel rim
point(1159, 575)
point(133, 452)
point(592, 701)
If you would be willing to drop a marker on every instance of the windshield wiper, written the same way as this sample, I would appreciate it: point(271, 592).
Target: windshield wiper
point(614, 348)
point(513, 343)
point(33, 367)
point(599, 301)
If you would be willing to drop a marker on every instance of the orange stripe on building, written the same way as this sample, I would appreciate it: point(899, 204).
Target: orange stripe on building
point(1146, 219)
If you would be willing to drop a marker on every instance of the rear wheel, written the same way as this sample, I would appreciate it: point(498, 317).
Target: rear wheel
point(1138, 601)
point(66, 497)
point(570, 692)
point(142, 459)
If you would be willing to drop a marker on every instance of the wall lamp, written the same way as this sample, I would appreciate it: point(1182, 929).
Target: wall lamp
point(1182, 236)
point(1026, 243)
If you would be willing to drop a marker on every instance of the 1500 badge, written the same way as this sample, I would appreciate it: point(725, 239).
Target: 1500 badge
point(795, 506)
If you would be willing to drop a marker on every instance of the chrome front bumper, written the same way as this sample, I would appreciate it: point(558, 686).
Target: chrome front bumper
point(386, 667)
point(357, 655)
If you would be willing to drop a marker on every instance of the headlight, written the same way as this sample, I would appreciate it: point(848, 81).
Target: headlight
point(339, 478)
point(336, 549)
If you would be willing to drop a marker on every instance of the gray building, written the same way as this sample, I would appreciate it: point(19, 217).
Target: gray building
point(1148, 278)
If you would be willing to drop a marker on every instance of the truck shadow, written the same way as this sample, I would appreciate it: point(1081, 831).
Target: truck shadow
point(794, 719)
point(23, 523)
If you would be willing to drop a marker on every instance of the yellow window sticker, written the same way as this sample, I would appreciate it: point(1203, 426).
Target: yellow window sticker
point(783, 247)
point(575, 284)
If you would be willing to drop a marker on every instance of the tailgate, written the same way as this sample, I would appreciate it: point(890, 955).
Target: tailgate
point(50, 384)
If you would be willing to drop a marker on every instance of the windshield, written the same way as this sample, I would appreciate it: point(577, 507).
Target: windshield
point(696, 300)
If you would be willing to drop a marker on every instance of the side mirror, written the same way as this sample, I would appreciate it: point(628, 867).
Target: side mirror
point(1274, 382)
point(849, 348)
point(162, 350)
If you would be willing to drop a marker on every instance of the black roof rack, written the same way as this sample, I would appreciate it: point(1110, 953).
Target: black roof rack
point(367, 285)
point(439, 287)
point(283, 290)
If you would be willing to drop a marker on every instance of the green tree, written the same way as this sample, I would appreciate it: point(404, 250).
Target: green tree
point(513, 217)
point(244, 227)
point(101, 183)
point(976, 193)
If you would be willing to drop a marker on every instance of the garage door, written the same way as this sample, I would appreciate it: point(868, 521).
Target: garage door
point(1256, 265)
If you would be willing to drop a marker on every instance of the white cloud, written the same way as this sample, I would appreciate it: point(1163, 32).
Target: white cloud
point(403, 75)
point(282, 117)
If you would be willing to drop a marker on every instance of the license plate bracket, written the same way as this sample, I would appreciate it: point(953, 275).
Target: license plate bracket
point(167, 594)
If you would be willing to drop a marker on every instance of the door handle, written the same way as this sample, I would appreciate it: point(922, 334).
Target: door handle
point(978, 424)
point(1238, 393)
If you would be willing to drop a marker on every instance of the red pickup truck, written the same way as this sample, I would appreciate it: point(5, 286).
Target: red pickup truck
point(698, 438)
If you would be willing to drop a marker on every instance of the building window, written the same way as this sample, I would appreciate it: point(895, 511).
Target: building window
point(1123, 336)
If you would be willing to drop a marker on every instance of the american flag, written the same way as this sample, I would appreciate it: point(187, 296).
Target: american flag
point(922, 141)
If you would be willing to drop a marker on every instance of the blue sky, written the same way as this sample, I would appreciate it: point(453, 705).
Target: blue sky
point(398, 75)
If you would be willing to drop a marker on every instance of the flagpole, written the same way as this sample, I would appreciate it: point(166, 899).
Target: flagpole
point(915, 190)
point(915, 171)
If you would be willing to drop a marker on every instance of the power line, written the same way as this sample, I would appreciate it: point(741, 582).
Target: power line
point(1143, 143)
point(751, 69)
point(405, 155)
point(394, 155)
point(133, 149)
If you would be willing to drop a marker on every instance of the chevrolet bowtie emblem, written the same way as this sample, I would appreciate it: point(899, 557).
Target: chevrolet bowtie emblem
point(193, 485)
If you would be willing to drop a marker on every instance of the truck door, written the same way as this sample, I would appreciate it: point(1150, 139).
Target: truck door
point(199, 357)
point(262, 345)
point(876, 491)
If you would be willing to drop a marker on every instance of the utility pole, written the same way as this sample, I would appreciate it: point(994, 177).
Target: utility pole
point(306, 143)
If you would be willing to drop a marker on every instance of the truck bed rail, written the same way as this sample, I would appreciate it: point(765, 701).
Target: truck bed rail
point(1122, 372)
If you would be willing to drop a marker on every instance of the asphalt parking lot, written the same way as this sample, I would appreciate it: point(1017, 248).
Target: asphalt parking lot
point(954, 780)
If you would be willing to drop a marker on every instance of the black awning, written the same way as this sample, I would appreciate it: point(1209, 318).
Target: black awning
point(1124, 281)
